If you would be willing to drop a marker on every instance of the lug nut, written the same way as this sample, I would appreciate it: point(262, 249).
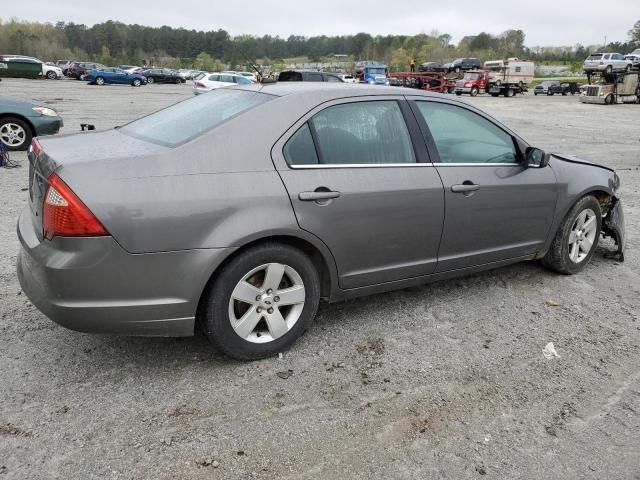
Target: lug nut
point(258, 298)
point(269, 292)
point(259, 309)
point(270, 310)
point(276, 299)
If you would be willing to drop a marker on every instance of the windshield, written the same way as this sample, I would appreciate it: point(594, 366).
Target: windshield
point(471, 76)
point(186, 120)
point(376, 71)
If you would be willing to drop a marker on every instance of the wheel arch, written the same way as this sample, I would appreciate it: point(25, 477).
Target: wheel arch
point(20, 117)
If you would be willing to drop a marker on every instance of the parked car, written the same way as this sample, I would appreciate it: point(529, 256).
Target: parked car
point(546, 87)
point(133, 69)
point(64, 65)
point(49, 71)
point(337, 194)
point(21, 120)
point(162, 75)
point(463, 64)
point(252, 75)
point(606, 63)
point(347, 78)
point(218, 80)
point(78, 70)
point(431, 67)
point(308, 76)
point(634, 58)
point(105, 76)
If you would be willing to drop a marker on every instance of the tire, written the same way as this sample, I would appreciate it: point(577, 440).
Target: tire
point(608, 70)
point(246, 274)
point(535, 94)
point(99, 81)
point(608, 100)
point(509, 92)
point(459, 94)
point(495, 94)
point(136, 82)
point(178, 81)
point(559, 257)
point(474, 92)
point(150, 80)
point(15, 133)
point(51, 75)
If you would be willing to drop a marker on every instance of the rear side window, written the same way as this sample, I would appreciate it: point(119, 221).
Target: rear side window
point(300, 150)
point(462, 136)
point(290, 77)
point(363, 133)
point(314, 77)
point(186, 120)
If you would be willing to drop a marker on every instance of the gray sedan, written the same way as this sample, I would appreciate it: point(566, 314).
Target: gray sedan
point(240, 209)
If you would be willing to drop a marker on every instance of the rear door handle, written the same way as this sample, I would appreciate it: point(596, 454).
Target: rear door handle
point(465, 188)
point(317, 196)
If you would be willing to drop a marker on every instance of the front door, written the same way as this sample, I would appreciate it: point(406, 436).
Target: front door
point(359, 182)
point(496, 208)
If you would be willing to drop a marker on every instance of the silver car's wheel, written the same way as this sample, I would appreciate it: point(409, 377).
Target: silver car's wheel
point(261, 301)
point(582, 235)
point(266, 303)
point(14, 134)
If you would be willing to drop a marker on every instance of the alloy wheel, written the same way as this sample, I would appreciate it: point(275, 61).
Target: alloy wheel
point(12, 134)
point(266, 303)
point(583, 234)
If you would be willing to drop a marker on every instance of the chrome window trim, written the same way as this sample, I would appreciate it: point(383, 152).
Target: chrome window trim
point(479, 164)
point(359, 165)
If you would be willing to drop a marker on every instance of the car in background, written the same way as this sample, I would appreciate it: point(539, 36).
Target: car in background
point(348, 78)
point(64, 65)
point(50, 71)
point(162, 75)
point(431, 67)
point(463, 64)
point(185, 74)
point(109, 75)
point(219, 80)
point(308, 76)
point(78, 70)
point(606, 63)
point(634, 57)
point(546, 87)
point(252, 75)
point(133, 69)
point(192, 216)
point(21, 120)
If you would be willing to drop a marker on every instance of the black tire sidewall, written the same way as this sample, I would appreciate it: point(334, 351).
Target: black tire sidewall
point(27, 129)
point(215, 308)
point(557, 257)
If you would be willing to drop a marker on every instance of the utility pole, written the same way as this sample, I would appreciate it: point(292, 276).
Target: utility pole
point(605, 42)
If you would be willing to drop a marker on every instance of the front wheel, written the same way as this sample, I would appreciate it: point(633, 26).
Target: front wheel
point(15, 134)
point(99, 81)
point(150, 80)
point(51, 75)
point(261, 302)
point(474, 92)
point(178, 81)
point(576, 238)
point(136, 82)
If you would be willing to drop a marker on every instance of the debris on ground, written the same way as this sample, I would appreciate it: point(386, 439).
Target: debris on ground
point(284, 375)
point(549, 351)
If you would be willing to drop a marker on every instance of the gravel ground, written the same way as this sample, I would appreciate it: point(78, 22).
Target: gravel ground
point(442, 381)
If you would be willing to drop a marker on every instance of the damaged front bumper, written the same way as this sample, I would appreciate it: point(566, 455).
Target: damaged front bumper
point(613, 226)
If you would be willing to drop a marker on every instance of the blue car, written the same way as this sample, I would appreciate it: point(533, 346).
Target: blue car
point(114, 75)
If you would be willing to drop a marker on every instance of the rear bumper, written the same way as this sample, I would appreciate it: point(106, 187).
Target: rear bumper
point(93, 285)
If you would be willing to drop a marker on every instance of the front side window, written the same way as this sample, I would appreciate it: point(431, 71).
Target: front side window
point(363, 133)
point(462, 136)
point(186, 120)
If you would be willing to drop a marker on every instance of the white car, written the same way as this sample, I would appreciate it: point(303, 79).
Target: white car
point(49, 71)
point(348, 78)
point(606, 62)
point(634, 57)
point(251, 75)
point(217, 80)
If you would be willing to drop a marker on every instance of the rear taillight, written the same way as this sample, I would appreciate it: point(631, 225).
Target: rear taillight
point(200, 85)
point(35, 147)
point(65, 215)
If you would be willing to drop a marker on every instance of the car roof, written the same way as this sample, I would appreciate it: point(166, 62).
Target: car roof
point(332, 90)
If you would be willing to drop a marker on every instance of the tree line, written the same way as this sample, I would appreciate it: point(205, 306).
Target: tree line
point(113, 43)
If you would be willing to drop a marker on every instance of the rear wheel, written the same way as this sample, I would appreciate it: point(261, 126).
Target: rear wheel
point(51, 75)
point(576, 238)
point(136, 82)
point(150, 80)
point(261, 302)
point(15, 134)
point(99, 81)
point(178, 81)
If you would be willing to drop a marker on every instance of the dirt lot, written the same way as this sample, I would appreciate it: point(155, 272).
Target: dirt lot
point(441, 381)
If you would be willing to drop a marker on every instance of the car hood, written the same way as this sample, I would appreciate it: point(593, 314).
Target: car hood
point(574, 159)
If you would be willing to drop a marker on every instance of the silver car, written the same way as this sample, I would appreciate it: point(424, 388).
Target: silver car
point(606, 63)
point(241, 209)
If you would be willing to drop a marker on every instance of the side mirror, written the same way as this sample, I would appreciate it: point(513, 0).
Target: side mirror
point(536, 158)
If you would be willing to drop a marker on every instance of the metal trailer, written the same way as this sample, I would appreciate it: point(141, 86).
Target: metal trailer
point(612, 88)
point(429, 81)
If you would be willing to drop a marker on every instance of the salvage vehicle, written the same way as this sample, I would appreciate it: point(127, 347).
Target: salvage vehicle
point(463, 64)
point(219, 80)
point(432, 67)
point(428, 81)
point(116, 76)
point(192, 215)
point(614, 88)
point(161, 75)
point(21, 120)
point(606, 63)
point(21, 66)
point(78, 70)
point(551, 87)
point(634, 58)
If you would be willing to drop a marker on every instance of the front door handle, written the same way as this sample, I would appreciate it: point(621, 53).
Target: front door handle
point(465, 188)
point(317, 196)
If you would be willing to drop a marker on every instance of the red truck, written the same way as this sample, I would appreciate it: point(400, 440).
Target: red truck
point(429, 81)
point(473, 83)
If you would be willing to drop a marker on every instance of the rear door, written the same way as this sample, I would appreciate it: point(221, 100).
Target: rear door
point(496, 208)
point(359, 178)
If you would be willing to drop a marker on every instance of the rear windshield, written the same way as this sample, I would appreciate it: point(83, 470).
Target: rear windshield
point(595, 56)
point(290, 77)
point(186, 120)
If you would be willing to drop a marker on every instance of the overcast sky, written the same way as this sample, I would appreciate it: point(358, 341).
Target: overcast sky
point(545, 22)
